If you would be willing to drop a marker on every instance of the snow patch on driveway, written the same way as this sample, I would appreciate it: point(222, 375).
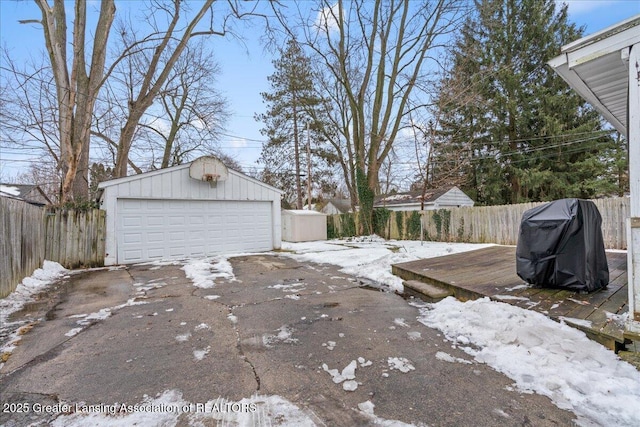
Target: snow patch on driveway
point(446, 357)
point(25, 293)
point(183, 337)
point(347, 376)
point(200, 354)
point(102, 314)
point(348, 373)
point(204, 272)
point(401, 364)
point(285, 334)
point(166, 408)
point(73, 332)
point(366, 409)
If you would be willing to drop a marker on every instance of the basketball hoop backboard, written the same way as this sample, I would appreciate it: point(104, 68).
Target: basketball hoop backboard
point(209, 169)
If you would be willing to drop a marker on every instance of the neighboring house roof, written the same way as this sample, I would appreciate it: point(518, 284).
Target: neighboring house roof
point(29, 193)
point(341, 205)
point(411, 197)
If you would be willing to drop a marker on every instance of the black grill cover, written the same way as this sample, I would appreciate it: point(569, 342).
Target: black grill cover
point(561, 246)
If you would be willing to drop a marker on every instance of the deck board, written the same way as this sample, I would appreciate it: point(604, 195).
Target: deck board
point(491, 272)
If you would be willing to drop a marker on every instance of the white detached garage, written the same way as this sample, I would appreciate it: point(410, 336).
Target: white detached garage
point(196, 209)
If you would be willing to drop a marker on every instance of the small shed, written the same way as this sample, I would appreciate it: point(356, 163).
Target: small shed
point(448, 197)
point(195, 209)
point(303, 226)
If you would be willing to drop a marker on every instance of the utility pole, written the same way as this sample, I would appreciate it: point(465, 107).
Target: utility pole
point(308, 168)
point(296, 147)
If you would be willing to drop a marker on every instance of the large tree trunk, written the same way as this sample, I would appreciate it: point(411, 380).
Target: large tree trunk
point(76, 92)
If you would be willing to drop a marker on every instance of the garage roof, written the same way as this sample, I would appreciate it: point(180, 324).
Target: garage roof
point(116, 181)
point(596, 67)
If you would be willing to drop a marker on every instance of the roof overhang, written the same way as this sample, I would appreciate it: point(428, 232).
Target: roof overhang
point(597, 68)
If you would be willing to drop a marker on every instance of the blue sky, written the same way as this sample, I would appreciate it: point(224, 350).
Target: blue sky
point(244, 70)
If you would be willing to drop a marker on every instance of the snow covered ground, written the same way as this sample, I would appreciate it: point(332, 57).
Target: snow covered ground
point(538, 354)
point(371, 257)
point(24, 293)
point(542, 356)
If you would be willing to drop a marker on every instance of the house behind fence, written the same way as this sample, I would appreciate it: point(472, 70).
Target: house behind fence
point(484, 224)
point(31, 234)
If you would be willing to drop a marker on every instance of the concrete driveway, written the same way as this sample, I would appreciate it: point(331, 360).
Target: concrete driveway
point(276, 345)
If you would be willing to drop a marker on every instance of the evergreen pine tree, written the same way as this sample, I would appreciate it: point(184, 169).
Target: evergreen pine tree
point(527, 135)
point(289, 106)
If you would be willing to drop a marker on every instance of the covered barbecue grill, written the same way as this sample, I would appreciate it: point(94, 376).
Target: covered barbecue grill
point(560, 246)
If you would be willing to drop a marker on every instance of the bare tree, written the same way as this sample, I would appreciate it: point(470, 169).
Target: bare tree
point(29, 124)
point(153, 57)
point(228, 161)
point(76, 89)
point(337, 116)
point(376, 52)
point(436, 167)
point(29, 114)
point(390, 175)
point(109, 114)
point(192, 113)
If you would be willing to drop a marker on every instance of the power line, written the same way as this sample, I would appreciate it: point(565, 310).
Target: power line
point(528, 155)
point(261, 141)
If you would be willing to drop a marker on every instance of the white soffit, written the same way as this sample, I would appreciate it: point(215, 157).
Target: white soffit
point(596, 67)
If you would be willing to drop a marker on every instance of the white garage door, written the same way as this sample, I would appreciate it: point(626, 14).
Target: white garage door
point(159, 229)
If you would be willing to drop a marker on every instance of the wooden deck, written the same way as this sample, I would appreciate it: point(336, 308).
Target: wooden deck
point(491, 272)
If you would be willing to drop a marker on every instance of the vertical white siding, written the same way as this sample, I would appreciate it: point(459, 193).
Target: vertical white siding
point(454, 197)
point(175, 183)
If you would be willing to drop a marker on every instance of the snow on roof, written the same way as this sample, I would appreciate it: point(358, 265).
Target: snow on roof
point(430, 195)
point(301, 212)
point(396, 197)
point(30, 193)
point(10, 189)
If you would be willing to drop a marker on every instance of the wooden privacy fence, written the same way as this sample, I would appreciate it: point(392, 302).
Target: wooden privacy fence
point(483, 224)
point(75, 238)
point(22, 230)
point(31, 234)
